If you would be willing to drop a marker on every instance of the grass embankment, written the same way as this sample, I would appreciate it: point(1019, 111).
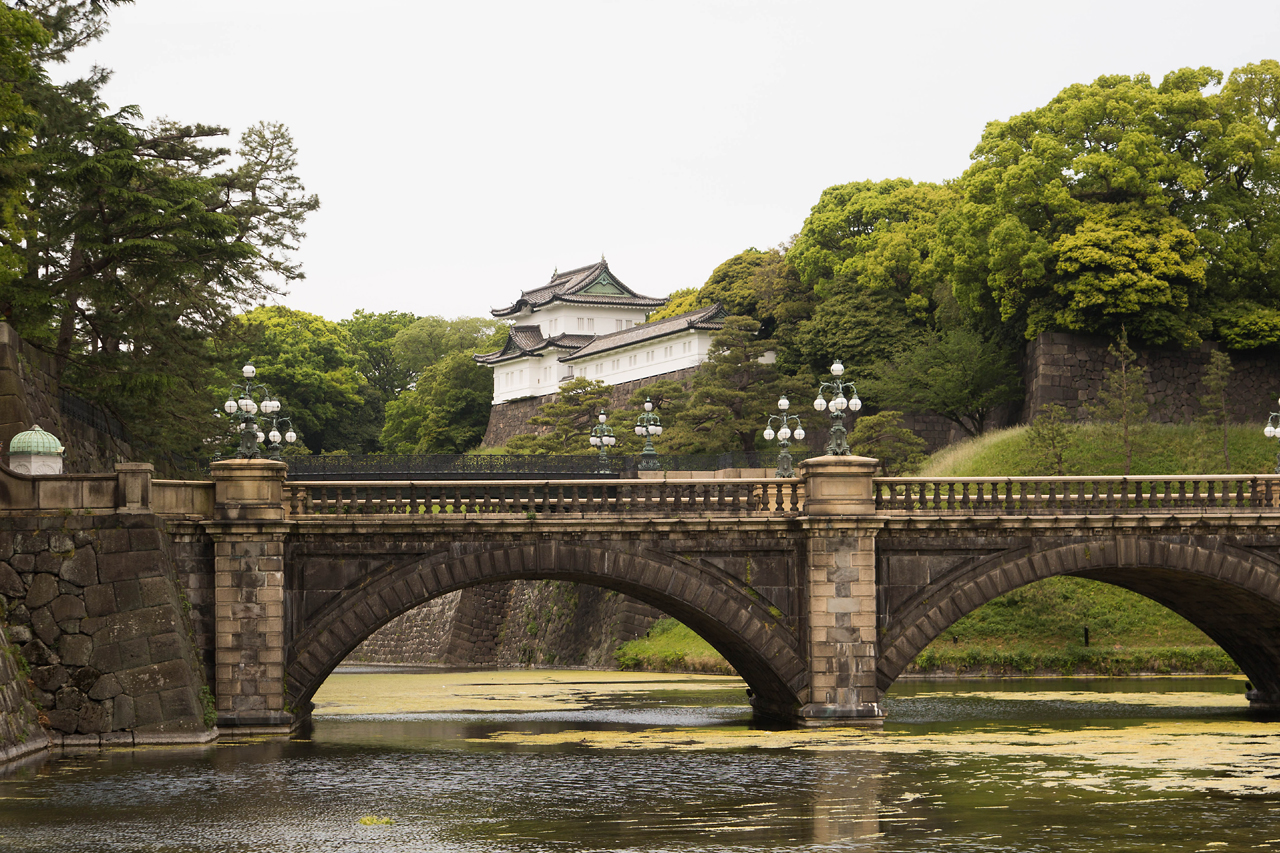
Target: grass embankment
point(1041, 628)
point(670, 646)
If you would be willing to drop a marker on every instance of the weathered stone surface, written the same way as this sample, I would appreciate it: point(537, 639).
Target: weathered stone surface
point(38, 654)
point(66, 607)
point(19, 615)
point(165, 647)
point(147, 710)
point(61, 544)
point(69, 698)
point(135, 653)
point(106, 687)
point(44, 588)
point(123, 712)
point(42, 622)
point(99, 600)
point(20, 634)
point(11, 585)
point(94, 717)
point(63, 720)
point(23, 563)
point(128, 565)
point(176, 703)
point(49, 678)
point(81, 569)
point(85, 678)
point(48, 563)
point(75, 649)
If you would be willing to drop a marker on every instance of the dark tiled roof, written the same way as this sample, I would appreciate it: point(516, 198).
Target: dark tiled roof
point(569, 287)
point(528, 340)
point(710, 319)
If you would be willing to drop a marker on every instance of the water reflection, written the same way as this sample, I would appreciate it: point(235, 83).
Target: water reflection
point(678, 766)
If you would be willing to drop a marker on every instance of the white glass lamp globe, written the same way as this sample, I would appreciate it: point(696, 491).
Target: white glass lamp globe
point(230, 406)
point(799, 434)
point(595, 441)
point(648, 405)
point(640, 430)
point(769, 434)
point(1270, 431)
point(253, 408)
point(270, 406)
point(784, 434)
point(248, 371)
point(837, 369)
point(610, 440)
point(602, 417)
point(820, 404)
point(274, 435)
point(840, 403)
point(261, 437)
point(656, 430)
point(291, 436)
point(244, 403)
point(783, 404)
point(855, 404)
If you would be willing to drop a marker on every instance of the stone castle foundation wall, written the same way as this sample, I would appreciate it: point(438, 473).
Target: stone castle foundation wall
point(29, 396)
point(522, 623)
point(99, 613)
point(1067, 370)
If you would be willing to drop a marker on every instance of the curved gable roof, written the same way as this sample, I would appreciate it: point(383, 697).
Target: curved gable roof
point(590, 285)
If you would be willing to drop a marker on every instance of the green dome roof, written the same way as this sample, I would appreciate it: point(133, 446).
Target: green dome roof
point(36, 440)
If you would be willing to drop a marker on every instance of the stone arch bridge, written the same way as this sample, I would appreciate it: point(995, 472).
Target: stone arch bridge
point(819, 589)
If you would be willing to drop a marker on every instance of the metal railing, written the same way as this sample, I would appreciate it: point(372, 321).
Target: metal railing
point(512, 466)
point(1076, 495)
point(446, 500)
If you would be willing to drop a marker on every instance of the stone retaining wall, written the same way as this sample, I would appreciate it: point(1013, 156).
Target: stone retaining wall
point(523, 623)
point(20, 730)
point(1068, 370)
point(96, 607)
point(29, 396)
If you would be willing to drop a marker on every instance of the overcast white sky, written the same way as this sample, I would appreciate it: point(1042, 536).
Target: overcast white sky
point(463, 150)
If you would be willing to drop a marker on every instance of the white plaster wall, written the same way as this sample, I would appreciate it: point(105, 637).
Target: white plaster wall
point(559, 318)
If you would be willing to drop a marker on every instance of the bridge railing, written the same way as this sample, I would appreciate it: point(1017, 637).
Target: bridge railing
point(1076, 495)
point(772, 497)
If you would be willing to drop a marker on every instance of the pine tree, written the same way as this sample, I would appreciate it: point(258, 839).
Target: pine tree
point(1217, 378)
point(1122, 399)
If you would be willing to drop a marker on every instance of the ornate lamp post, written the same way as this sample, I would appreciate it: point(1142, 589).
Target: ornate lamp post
point(784, 435)
point(602, 437)
point(243, 409)
point(838, 444)
point(648, 425)
point(1272, 430)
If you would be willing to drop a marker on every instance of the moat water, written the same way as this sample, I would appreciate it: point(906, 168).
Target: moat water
point(578, 761)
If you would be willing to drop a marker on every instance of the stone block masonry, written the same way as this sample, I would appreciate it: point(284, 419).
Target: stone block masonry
point(1068, 370)
point(521, 623)
point(96, 611)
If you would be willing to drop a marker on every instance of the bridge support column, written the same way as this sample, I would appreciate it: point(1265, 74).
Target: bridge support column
point(248, 533)
point(841, 587)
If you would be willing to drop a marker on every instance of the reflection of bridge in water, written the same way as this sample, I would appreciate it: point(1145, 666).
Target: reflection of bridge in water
point(819, 590)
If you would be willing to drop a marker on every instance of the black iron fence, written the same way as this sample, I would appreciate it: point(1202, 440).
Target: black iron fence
point(81, 410)
point(445, 466)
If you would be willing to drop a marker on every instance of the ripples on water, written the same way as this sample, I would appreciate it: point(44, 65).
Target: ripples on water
point(968, 766)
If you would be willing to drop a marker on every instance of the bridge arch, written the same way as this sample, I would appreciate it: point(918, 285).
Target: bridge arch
point(753, 637)
point(1231, 594)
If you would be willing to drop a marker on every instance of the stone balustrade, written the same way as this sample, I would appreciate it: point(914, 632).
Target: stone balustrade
point(755, 496)
point(1077, 495)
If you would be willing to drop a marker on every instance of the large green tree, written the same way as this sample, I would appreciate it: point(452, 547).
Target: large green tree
point(568, 419)
point(956, 374)
point(731, 395)
point(311, 364)
point(868, 250)
point(134, 244)
point(1124, 203)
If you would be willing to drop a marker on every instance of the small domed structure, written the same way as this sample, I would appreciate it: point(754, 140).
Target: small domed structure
point(36, 452)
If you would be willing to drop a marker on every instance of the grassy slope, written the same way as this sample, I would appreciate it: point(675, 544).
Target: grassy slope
point(1041, 627)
